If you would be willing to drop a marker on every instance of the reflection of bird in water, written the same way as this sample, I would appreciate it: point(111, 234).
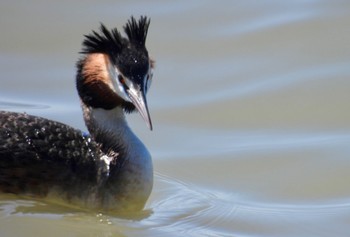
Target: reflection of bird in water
point(109, 169)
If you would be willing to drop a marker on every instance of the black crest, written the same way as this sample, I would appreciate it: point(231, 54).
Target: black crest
point(103, 42)
point(137, 31)
point(111, 41)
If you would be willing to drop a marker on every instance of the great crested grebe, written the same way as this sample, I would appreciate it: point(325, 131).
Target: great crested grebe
point(110, 169)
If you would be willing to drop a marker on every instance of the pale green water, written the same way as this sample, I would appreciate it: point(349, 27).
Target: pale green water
point(250, 105)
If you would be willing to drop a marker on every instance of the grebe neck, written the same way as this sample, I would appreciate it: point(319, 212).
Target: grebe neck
point(131, 175)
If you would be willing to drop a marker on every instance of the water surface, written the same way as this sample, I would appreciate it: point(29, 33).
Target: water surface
point(250, 105)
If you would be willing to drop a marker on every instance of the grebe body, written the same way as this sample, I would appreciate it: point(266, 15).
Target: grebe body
point(109, 168)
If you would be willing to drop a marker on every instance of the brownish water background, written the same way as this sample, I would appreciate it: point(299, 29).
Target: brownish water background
point(250, 105)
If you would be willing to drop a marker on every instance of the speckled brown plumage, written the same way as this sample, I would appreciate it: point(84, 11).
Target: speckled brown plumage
point(37, 154)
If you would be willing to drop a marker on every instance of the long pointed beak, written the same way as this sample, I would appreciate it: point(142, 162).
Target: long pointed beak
point(138, 98)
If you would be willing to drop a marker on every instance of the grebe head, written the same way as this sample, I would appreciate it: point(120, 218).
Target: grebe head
point(117, 71)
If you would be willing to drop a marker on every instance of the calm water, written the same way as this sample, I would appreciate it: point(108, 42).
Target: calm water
point(250, 105)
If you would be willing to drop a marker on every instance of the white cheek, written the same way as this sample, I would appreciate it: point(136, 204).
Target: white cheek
point(113, 73)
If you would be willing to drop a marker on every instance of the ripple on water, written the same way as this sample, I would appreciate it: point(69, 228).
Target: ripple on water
point(188, 210)
point(4, 105)
point(178, 209)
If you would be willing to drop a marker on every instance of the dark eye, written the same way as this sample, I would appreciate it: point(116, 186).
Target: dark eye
point(122, 81)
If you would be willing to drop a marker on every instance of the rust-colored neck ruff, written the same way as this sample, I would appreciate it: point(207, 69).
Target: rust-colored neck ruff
point(95, 82)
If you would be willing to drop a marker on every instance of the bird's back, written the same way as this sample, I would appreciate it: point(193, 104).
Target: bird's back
point(38, 155)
